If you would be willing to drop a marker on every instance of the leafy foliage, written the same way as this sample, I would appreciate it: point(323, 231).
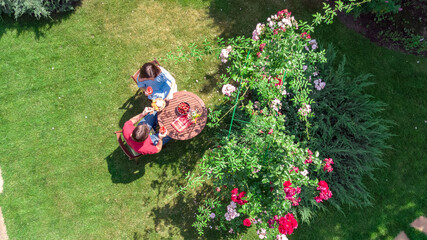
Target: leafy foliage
point(36, 8)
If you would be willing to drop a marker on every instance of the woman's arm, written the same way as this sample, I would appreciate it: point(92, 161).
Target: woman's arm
point(170, 95)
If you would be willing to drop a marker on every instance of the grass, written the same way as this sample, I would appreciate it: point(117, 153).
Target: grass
point(65, 88)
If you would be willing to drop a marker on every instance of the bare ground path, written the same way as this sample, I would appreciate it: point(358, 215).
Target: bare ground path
point(420, 224)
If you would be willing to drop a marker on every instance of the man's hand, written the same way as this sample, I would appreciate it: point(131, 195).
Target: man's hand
point(162, 135)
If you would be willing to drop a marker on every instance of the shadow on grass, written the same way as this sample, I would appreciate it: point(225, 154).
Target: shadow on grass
point(241, 16)
point(122, 169)
point(182, 214)
point(27, 23)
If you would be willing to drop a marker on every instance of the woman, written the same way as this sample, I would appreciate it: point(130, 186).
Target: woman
point(161, 81)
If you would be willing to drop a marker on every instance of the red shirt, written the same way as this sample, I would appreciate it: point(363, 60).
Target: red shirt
point(145, 147)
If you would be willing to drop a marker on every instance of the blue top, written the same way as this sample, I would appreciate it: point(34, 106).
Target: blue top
point(161, 84)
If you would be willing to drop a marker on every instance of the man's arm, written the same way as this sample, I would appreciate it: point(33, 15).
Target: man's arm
point(138, 117)
point(159, 144)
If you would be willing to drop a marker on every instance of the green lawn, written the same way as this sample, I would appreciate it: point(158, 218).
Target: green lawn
point(65, 88)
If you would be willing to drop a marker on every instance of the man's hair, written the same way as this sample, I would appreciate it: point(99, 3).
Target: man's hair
point(149, 70)
point(140, 133)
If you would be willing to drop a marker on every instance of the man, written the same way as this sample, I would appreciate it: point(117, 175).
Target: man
point(139, 138)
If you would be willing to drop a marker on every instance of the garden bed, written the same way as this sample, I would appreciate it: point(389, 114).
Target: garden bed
point(404, 31)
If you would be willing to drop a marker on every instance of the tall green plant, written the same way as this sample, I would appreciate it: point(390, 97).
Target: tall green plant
point(348, 127)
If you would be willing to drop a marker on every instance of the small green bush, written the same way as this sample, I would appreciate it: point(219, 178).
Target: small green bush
point(378, 7)
point(36, 8)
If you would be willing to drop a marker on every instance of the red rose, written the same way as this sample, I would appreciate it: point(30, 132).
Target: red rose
point(247, 222)
point(235, 191)
point(258, 54)
point(287, 184)
point(282, 229)
point(322, 184)
point(271, 131)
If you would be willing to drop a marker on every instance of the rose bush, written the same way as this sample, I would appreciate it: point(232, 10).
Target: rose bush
point(266, 178)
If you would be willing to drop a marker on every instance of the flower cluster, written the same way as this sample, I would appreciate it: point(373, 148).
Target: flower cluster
point(328, 165)
point(237, 197)
point(310, 157)
point(305, 35)
point(231, 212)
point(313, 44)
point(287, 224)
point(325, 193)
point(305, 173)
point(261, 49)
point(224, 54)
point(281, 21)
point(319, 85)
point(261, 233)
point(228, 89)
point(276, 104)
point(258, 31)
point(291, 192)
point(294, 169)
point(281, 237)
point(304, 111)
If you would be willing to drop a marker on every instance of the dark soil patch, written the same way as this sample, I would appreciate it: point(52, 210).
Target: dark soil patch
point(405, 31)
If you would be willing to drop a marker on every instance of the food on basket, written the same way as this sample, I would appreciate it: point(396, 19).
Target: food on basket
point(183, 108)
point(162, 130)
point(158, 104)
point(149, 90)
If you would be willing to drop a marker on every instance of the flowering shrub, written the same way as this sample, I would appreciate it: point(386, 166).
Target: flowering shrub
point(265, 178)
point(276, 62)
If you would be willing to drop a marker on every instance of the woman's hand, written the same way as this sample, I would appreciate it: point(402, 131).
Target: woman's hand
point(147, 110)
